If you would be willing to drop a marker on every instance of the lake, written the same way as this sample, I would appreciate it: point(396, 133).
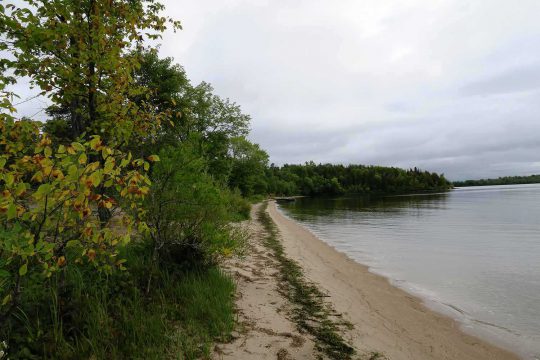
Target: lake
point(472, 253)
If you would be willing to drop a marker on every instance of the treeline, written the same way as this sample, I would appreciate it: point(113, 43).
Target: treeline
point(328, 179)
point(505, 180)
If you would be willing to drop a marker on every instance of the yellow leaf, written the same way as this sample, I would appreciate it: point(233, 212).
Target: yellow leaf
point(38, 177)
point(82, 159)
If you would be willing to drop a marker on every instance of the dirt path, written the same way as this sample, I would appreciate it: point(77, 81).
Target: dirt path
point(264, 331)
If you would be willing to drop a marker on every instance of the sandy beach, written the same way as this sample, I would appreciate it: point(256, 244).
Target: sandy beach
point(386, 319)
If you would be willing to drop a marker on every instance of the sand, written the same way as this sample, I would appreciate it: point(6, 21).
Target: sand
point(386, 319)
point(264, 331)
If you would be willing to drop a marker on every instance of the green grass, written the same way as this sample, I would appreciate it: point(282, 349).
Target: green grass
point(310, 313)
point(112, 317)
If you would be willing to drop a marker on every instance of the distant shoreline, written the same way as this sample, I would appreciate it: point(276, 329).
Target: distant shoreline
point(506, 180)
point(386, 318)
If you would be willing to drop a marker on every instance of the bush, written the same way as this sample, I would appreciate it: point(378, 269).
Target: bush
point(189, 213)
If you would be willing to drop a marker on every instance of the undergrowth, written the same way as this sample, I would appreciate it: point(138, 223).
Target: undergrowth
point(113, 317)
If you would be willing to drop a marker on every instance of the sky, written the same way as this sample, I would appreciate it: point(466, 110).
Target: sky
point(448, 85)
point(451, 86)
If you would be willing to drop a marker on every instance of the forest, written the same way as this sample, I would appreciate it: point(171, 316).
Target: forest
point(327, 179)
point(117, 211)
point(505, 180)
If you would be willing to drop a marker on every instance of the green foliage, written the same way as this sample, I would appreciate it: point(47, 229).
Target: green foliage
point(48, 202)
point(506, 180)
point(328, 179)
point(197, 115)
point(188, 213)
point(113, 317)
point(249, 162)
point(81, 55)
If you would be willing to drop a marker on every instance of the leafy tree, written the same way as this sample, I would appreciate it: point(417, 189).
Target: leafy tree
point(196, 114)
point(61, 203)
point(47, 204)
point(249, 162)
point(82, 55)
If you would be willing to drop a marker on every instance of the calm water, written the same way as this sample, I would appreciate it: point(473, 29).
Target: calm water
point(473, 253)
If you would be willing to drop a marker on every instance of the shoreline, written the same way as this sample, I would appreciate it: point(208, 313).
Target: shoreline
point(387, 318)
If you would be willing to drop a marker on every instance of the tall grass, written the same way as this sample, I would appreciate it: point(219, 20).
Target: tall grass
point(113, 317)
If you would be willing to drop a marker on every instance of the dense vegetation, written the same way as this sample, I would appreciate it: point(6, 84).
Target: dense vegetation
point(312, 179)
point(506, 180)
point(116, 211)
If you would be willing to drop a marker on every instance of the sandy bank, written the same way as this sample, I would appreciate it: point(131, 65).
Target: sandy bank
point(386, 319)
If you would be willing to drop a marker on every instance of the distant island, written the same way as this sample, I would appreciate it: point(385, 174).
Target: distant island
point(506, 180)
point(330, 179)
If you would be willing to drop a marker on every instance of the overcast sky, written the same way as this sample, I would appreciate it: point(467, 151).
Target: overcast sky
point(451, 86)
point(448, 85)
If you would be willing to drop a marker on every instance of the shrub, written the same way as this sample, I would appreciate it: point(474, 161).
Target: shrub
point(188, 213)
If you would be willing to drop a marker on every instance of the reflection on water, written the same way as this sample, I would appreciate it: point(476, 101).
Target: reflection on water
point(473, 252)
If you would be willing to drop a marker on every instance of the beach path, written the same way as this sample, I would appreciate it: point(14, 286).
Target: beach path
point(264, 330)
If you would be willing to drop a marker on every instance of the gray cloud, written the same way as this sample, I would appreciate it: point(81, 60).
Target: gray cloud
point(517, 79)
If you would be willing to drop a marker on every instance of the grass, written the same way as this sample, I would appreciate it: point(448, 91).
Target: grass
point(112, 317)
point(310, 312)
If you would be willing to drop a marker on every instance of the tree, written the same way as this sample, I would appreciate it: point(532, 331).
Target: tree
point(249, 162)
point(82, 54)
point(48, 198)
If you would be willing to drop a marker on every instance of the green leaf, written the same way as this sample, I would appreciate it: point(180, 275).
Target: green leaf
point(2, 162)
point(96, 177)
point(6, 300)
point(9, 179)
point(43, 190)
point(23, 269)
point(11, 211)
point(73, 243)
point(48, 152)
point(4, 274)
point(21, 188)
point(77, 146)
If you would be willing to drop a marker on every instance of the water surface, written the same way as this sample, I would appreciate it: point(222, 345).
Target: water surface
point(473, 253)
